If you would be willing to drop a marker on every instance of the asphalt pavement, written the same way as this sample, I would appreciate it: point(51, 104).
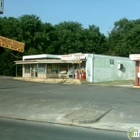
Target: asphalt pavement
point(101, 107)
point(11, 129)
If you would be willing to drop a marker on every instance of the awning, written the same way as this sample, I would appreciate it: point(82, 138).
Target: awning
point(53, 61)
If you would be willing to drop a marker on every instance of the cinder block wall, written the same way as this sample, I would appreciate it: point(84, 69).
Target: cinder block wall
point(104, 71)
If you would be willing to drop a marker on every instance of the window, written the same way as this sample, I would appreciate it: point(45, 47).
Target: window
point(111, 62)
point(49, 68)
point(41, 65)
point(41, 68)
point(63, 67)
point(54, 68)
point(27, 68)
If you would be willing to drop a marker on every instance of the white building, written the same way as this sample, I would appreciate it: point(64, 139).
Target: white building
point(98, 68)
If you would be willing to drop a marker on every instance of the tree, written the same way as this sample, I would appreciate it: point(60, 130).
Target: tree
point(67, 37)
point(31, 32)
point(124, 38)
point(94, 41)
point(62, 38)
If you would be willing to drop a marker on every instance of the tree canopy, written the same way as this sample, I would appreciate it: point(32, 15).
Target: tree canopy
point(124, 39)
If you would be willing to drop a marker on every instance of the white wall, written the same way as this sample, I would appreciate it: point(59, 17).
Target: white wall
point(89, 67)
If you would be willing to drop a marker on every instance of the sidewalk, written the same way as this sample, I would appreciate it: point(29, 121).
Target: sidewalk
point(50, 80)
point(122, 83)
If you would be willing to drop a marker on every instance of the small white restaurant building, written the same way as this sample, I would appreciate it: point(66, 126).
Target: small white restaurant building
point(97, 68)
point(52, 66)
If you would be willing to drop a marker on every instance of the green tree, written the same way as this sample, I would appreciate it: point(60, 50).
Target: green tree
point(31, 32)
point(124, 38)
point(63, 38)
point(67, 37)
point(94, 41)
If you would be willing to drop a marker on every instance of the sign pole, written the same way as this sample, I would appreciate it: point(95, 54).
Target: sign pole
point(16, 70)
point(1, 6)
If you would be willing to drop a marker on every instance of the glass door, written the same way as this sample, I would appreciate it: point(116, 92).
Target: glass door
point(34, 70)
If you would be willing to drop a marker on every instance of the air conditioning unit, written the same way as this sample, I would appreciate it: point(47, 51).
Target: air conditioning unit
point(120, 66)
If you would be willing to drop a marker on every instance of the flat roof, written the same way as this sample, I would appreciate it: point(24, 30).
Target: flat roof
point(41, 56)
point(55, 61)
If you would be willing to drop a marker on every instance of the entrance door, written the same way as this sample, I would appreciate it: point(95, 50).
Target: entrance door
point(34, 71)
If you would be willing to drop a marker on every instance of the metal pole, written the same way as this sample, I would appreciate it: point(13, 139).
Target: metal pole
point(136, 77)
point(16, 70)
point(73, 70)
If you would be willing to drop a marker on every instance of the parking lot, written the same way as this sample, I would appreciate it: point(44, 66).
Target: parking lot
point(49, 102)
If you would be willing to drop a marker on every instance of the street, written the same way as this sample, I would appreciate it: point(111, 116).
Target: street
point(100, 107)
point(11, 129)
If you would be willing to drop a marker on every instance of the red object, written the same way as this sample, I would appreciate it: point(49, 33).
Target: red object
point(136, 77)
point(83, 75)
point(76, 74)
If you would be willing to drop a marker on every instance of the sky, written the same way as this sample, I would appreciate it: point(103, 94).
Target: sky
point(102, 13)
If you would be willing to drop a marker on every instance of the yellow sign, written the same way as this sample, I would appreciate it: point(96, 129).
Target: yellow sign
point(11, 44)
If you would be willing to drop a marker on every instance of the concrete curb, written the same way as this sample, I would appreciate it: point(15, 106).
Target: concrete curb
point(94, 126)
point(58, 123)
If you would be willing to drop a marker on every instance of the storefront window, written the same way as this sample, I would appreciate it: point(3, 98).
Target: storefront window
point(83, 65)
point(63, 68)
point(41, 65)
point(27, 68)
point(54, 68)
point(71, 70)
point(49, 68)
point(41, 68)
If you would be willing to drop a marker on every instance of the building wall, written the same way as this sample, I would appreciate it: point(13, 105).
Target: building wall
point(105, 71)
point(89, 68)
point(52, 75)
point(41, 75)
point(139, 66)
point(23, 70)
point(98, 69)
point(27, 75)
